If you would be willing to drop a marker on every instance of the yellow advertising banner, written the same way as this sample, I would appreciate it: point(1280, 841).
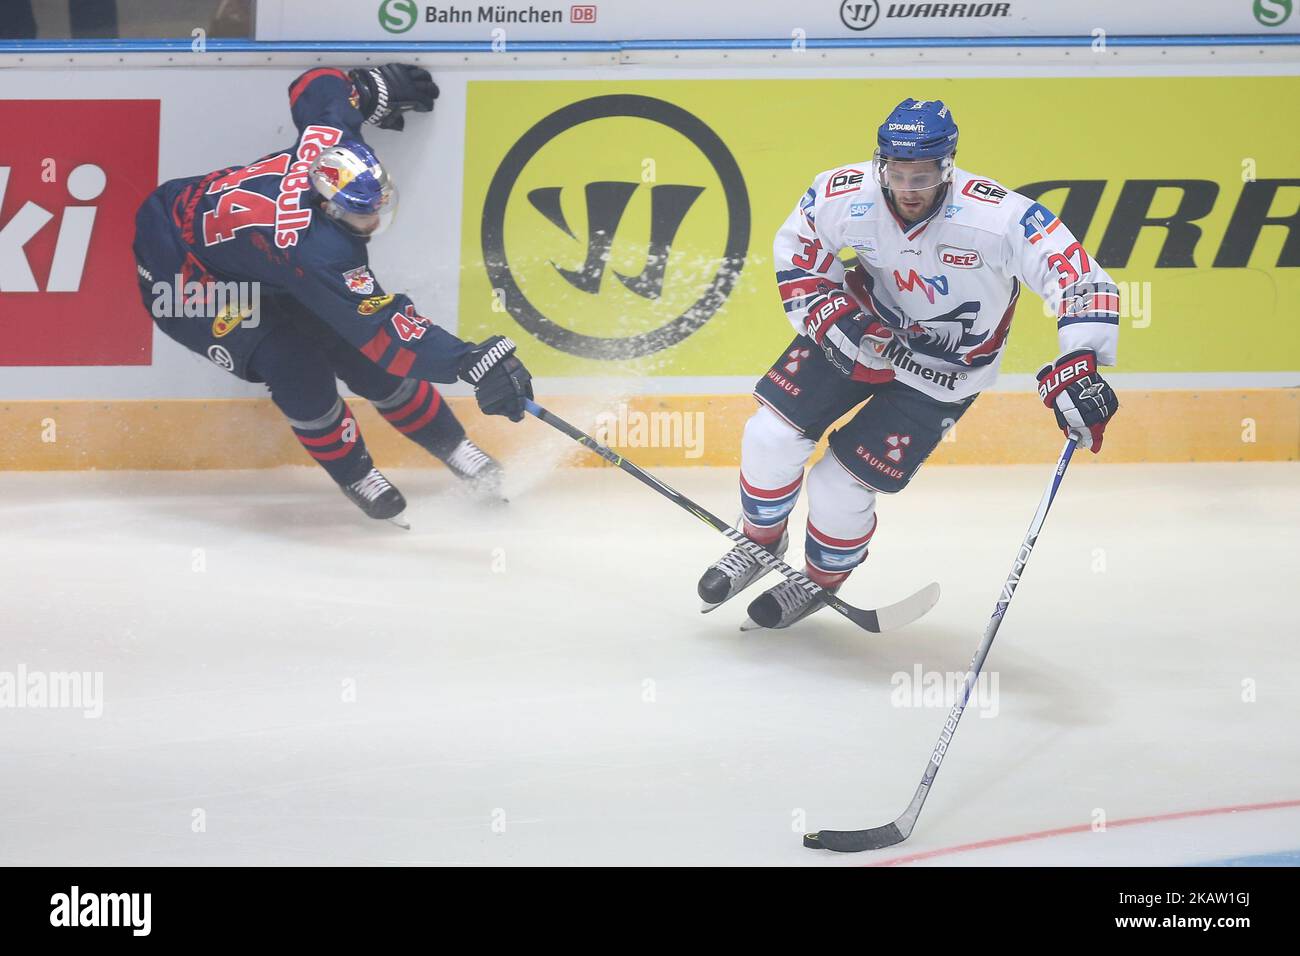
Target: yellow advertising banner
point(626, 228)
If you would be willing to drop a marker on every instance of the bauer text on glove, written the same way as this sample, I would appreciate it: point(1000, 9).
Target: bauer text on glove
point(852, 342)
point(1083, 401)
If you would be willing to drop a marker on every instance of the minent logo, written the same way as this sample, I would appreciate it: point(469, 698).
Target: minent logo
point(658, 258)
point(398, 16)
point(70, 187)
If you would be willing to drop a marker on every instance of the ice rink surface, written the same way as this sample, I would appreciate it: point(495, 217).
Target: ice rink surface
point(286, 682)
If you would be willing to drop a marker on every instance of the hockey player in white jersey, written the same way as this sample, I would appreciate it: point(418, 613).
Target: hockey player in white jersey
point(916, 330)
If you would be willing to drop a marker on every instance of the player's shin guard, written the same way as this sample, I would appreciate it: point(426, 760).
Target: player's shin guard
point(334, 440)
point(772, 456)
point(841, 521)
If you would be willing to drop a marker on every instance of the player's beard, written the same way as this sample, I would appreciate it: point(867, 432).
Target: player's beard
point(940, 194)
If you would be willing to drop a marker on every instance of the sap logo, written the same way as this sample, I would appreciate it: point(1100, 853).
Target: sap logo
point(950, 211)
point(843, 182)
point(957, 258)
point(984, 191)
point(859, 209)
point(85, 183)
point(926, 284)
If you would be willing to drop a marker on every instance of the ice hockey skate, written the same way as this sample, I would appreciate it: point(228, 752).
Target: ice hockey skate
point(733, 572)
point(482, 473)
point(781, 606)
point(375, 495)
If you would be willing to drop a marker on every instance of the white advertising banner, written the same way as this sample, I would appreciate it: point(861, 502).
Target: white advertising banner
point(632, 20)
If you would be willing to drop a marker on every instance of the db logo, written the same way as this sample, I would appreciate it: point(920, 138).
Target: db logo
point(583, 13)
point(69, 191)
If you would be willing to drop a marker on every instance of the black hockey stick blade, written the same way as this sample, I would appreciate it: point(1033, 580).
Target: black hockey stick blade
point(855, 841)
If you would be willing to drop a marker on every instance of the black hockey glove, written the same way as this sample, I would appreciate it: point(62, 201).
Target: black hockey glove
point(501, 383)
point(1083, 401)
point(389, 91)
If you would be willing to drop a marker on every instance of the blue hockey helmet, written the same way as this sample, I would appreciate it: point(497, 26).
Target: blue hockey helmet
point(357, 191)
point(916, 131)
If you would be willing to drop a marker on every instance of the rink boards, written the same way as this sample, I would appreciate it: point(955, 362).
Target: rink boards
point(655, 349)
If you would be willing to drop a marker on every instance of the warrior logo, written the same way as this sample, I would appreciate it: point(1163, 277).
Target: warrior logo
point(657, 260)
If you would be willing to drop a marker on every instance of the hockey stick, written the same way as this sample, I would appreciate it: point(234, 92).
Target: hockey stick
point(877, 620)
point(877, 838)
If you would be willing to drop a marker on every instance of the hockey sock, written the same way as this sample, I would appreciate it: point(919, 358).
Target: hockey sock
point(830, 560)
point(334, 440)
point(766, 510)
point(417, 410)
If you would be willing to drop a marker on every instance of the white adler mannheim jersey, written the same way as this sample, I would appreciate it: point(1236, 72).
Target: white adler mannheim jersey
point(948, 285)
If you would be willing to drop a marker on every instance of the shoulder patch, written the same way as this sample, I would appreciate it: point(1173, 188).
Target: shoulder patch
point(359, 280)
point(1038, 221)
point(843, 182)
point(984, 190)
point(373, 304)
point(807, 204)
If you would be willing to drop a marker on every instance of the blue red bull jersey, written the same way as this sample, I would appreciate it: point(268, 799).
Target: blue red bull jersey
point(259, 223)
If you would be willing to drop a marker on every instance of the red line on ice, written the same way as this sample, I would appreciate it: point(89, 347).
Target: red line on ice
point(1081, 828)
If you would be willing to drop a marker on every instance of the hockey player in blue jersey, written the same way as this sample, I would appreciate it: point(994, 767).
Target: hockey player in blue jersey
point(297, 223)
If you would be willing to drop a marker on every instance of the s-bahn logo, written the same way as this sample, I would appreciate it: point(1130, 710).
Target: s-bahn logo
point(398, 16)
point(615, 227)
